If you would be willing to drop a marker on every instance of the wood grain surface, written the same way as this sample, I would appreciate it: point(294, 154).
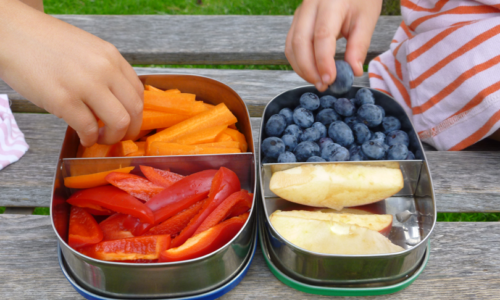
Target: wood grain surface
point(463, 264)
point(465, 181)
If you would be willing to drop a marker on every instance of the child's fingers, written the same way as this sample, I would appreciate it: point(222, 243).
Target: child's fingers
point(302, 45)
point(82, 120)
point(326, 30)
point(112, 113)
point(132, 77)
point(125, 92)
point(357, 46)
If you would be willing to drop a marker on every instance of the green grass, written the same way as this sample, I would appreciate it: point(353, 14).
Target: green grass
point(43, 211)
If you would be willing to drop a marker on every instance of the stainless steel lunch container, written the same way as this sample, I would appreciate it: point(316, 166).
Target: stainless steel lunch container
point(154, 280)
point(413, 209)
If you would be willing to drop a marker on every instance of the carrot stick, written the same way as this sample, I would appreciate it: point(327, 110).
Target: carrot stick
point(162, 148)
point(123, 148)
point(223, 137)
point(157, 119)
point(217, 116)
point(80, 151)
point(208, 106)
point(203, 136)
point(91, 180)
point(97, 150)
point(141, 149)
point(237, 136)
point(182, 104)
point(142, 134)
point(173, 91)
point(148, 87)
point(231, 144)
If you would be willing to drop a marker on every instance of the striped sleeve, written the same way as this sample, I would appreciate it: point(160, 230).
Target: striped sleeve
point(445, 69)
point(12, 143)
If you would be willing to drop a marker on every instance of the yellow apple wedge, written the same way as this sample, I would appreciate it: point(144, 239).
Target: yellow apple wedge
point(336, 185)
point(330, 237)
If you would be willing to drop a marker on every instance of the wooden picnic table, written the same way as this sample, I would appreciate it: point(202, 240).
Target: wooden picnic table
point(464, 256)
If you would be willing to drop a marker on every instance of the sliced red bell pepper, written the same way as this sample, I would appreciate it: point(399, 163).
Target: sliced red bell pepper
point(99, 212)
point(224, 184)
point(240, 208)
point(83, 228)
point(239, 200)
point(136, 248)
point(175, 224)
point(205, 242)
point(60, 215)
point(163, 178)
point(136, 186)
point(170, 201)
point(113, 228)
point(112, 198)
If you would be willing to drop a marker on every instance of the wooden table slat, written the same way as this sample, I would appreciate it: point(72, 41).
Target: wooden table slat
point(463, 264)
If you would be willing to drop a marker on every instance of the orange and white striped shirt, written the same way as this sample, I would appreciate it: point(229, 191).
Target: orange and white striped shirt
point(443, 67)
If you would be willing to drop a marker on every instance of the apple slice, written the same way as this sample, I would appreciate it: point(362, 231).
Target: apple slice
point(379, 223)
point(336, 185)
point(330, 237)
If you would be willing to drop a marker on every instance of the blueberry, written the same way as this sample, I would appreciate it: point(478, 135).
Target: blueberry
point(315, 159)
point(321, 128)
point(373, 149)
point(310, 134)
point(294, 130)
point(379, 136)
point(345, 78)
point(309, 101)
point(370, 115)
point(327, 101)
point(303, 117)
point(340, 133)
point(397, 137)
point(344, 107)
point(361, 133)
point(273, 147)
point(327, 116)
point(290, 141)
point(410, 155)
point(269, 160)
point(382, 110)
point(397, 152)
point(305, 150)
point(350, 121)
point(288, 114)
point(364, 96)
point(353, 101)
point(324, 141)
point(356, 154)
point(336, 154)
point(275, 125)
point(390, 123)
point(287, 157)
point(328, 149)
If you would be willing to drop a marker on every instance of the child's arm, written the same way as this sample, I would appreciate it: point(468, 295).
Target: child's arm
point(70, 73)
point(36, 4)
point(316, 26)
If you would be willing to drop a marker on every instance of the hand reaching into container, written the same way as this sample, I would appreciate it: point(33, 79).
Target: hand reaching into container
point(317, 24)
point(70, 73)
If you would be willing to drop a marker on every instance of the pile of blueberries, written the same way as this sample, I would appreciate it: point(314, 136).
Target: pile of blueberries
point(334, 129)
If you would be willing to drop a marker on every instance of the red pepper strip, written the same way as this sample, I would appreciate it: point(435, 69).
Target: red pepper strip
point(205, 242)
point(139, 228)
point(224, 184)
point(113, 228)
point(83, 228)
point(114, 199)
point(175, 224)
point(136, 186)
point(240, 208)
point(99, 212)
point(221, 212)
point(136, 248)
point(160, 177)
point(169, 202)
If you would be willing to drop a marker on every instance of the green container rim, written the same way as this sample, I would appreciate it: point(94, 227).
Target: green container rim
point(338, 291)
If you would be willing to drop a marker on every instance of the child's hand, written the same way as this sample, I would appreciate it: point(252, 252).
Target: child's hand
point(317, 24)
point(70, 73)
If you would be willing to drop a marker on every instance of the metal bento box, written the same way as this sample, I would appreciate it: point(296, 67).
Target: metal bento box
point(413, 209)
point(170, 279)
